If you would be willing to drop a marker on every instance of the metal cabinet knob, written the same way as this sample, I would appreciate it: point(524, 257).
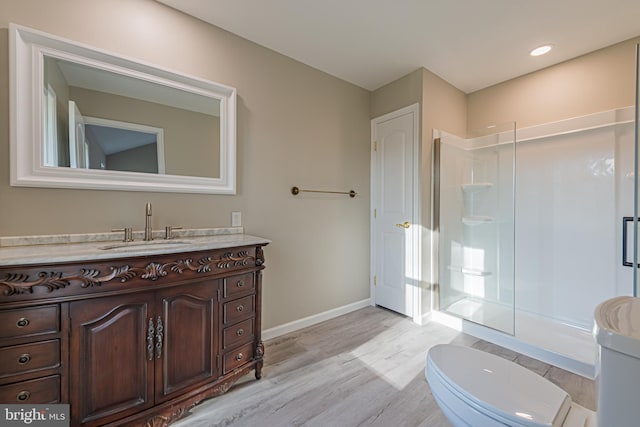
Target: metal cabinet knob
point(240, 332)
point(23, 396)
point(239, 308)
point(24, 359)
point(239, 357)
point(22, 322)
point(240, 283)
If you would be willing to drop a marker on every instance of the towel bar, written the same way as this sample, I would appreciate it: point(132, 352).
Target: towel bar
point(295, 191)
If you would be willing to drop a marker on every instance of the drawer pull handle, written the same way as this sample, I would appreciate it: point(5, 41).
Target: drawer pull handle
point(24, 359)
point(240, 332)
point(239, 308)
point(23, 395)
point(239, 357)
point(240, 283)
point(151, 330)
point(159, 337)
point(22, 322)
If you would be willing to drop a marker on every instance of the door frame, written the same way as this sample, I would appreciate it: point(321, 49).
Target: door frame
point(416, 219)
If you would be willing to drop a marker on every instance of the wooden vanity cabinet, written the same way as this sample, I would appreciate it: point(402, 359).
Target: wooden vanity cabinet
point(151, 345)
point(110, 375)
point(132, 341)
point(189, 348)
point(31, 355)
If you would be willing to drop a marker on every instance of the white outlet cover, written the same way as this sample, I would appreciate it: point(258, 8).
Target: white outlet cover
point(236, 219)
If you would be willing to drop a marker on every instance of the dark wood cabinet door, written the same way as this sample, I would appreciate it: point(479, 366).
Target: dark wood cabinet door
point(111, 366)
point(189, 315)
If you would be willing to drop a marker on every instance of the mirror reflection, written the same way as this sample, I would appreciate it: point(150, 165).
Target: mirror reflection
point(99, 119)
point(88, 119)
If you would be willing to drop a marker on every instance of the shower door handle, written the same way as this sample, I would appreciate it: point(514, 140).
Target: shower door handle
point(625, 231)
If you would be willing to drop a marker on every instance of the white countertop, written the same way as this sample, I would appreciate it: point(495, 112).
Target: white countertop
point(30, 250)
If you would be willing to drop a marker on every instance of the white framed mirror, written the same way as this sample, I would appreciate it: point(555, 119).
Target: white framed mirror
point(81, 117)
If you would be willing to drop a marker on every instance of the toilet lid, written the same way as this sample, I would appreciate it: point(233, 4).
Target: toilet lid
point(500, 387)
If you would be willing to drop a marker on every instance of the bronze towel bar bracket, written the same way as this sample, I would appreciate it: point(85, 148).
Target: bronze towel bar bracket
point(295, 191)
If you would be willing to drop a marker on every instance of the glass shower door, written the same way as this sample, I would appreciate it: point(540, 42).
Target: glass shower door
point(636, 246)
point(476, 227)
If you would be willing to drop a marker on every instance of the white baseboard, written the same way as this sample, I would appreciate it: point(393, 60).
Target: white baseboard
point(423, 319)
point(276, 331)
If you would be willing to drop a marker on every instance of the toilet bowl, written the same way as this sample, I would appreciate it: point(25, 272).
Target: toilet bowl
point(617, 330)
point(478, 389)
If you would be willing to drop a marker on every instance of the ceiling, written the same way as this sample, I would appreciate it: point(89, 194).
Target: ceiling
point(470, 43)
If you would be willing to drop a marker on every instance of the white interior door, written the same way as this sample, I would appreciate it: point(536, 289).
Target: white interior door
point(78, 150)
point(394, 233)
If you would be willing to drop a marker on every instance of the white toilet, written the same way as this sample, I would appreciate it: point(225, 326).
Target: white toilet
point(477, 389)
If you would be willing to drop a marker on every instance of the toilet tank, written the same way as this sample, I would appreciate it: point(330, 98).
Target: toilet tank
point(617, 331)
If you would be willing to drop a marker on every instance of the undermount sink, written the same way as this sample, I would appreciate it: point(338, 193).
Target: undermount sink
point(144, 244)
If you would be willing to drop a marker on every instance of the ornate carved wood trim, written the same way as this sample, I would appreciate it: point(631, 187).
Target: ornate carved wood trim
point(259, 256)
point(259, 351)
point(165, 420)
point(241, 259)
point(19, 283)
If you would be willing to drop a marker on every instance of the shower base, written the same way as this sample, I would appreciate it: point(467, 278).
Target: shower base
point(560, 344)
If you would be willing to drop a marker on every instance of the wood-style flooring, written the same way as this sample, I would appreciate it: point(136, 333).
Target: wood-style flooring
point(365, 368)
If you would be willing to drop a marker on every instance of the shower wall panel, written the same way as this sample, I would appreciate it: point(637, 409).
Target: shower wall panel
point(572, 191)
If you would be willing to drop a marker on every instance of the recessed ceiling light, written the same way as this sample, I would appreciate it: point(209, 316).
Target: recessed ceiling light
point(541, 50)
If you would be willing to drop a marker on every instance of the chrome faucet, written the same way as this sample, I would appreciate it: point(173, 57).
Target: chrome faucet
point(148, 231)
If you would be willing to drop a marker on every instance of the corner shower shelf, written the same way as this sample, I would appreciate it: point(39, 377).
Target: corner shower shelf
point(476, 220)
point(476, 186)
point(470, 271)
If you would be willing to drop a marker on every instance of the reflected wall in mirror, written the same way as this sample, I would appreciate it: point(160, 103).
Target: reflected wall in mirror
point(84, 118)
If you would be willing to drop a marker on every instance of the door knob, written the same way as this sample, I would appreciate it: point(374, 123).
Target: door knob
point(405, 224)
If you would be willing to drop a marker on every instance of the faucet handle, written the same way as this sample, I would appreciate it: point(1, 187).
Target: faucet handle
point(168, 231)
point(128, 233)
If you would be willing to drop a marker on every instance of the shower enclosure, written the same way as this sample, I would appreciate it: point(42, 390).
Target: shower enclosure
point(531, 230)
point(476, 227)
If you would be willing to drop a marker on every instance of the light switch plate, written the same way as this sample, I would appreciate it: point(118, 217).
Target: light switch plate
point(236, 219)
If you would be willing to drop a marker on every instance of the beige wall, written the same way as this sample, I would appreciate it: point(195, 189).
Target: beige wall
point(599, 81)
point(400, 93)
point(138, 159)
point(296, 126)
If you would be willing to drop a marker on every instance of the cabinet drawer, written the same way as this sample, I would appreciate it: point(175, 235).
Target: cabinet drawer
point(236, 286)
point(42, 390)
point(236, 358)
point(239, 309)
point(29, 321)
point(20, 359)
point(237, 334)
